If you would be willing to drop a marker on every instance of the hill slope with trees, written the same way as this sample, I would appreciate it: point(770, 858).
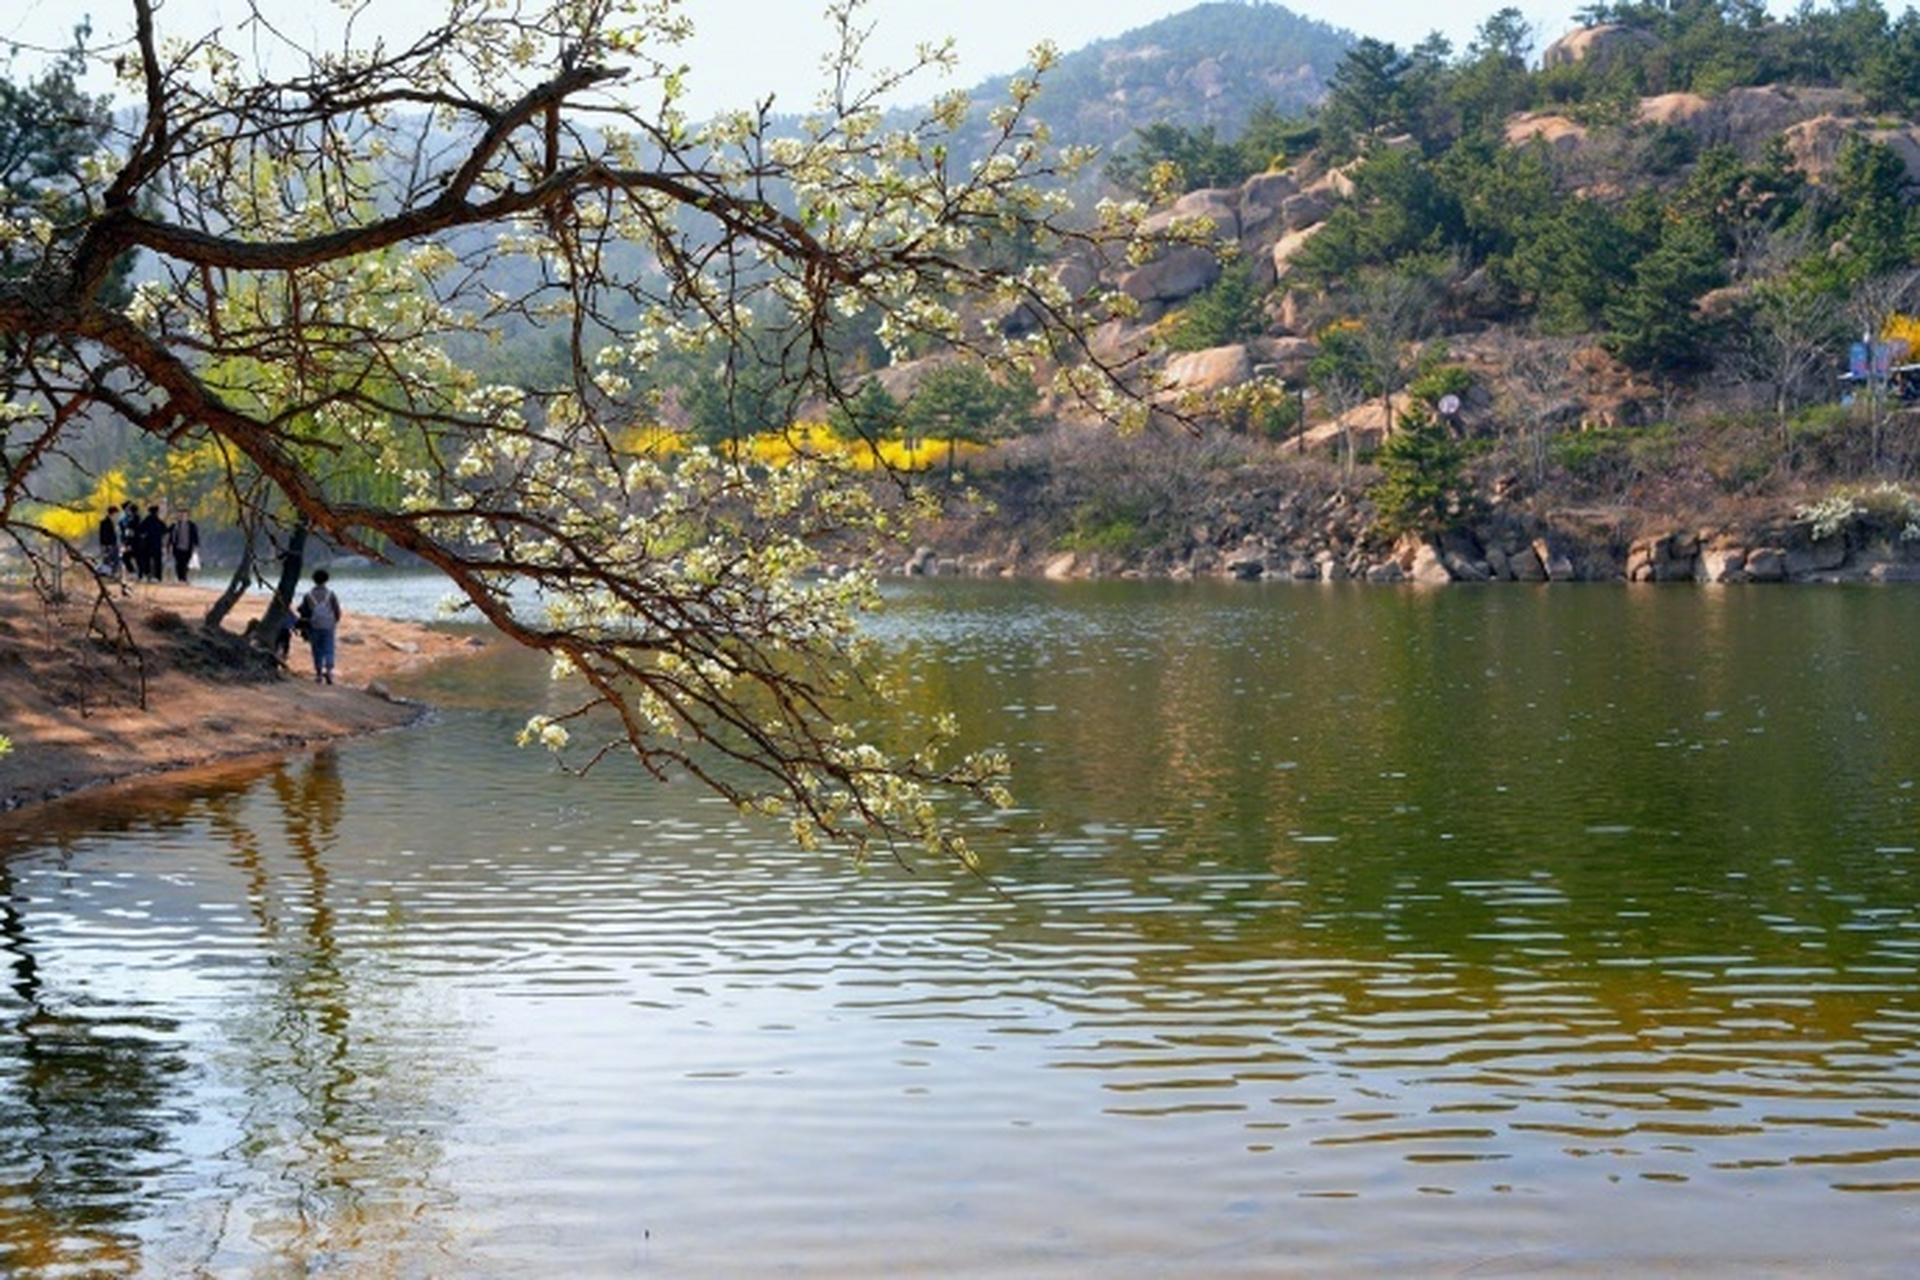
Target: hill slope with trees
point(1651, 289)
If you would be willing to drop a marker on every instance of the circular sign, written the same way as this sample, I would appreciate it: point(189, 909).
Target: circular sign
point(1449, 404)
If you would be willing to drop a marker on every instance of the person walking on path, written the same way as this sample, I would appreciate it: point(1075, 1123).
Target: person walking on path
point(183, 540)
point(320, 612)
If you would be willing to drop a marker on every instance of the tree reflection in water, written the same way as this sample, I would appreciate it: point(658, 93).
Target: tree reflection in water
point(263, 1088)
point(336, 1157)
point(89, 1120)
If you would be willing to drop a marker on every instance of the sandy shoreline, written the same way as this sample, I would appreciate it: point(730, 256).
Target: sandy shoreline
point(71, 705)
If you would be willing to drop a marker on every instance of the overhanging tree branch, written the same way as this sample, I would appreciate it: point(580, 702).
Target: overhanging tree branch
point(321, 249)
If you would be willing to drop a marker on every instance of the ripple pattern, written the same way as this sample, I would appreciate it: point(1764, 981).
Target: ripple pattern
point(418, 1008)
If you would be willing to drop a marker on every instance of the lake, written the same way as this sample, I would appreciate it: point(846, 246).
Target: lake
point(1340, 930)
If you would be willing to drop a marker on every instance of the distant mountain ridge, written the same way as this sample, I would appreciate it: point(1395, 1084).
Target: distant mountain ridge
point(1210, 65)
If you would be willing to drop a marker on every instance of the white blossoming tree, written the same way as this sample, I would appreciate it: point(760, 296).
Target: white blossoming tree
point(317, 234)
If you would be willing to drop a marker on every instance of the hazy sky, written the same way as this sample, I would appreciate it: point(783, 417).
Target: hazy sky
point(747, 48)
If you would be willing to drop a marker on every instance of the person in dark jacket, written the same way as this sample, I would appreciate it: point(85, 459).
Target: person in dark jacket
point(111, 564)
point(152, 544)
point(110, 541)
point(183, 539)
point(130, 538)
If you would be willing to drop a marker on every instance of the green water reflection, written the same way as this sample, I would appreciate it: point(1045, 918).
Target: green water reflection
point(1343, 931)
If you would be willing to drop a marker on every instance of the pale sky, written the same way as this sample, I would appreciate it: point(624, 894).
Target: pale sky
point(745, 49)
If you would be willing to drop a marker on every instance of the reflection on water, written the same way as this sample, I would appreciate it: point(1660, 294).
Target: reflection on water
point(1345, 932)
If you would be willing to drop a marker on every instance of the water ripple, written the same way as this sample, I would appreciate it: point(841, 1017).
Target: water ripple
point(1377, 1009)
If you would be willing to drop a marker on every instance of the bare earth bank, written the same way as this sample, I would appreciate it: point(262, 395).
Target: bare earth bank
point(71, 701)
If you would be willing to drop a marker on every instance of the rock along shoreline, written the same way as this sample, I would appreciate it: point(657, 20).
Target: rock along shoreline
point(1592, 546)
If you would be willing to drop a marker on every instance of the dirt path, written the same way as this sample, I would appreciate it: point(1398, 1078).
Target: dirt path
point(71, 702)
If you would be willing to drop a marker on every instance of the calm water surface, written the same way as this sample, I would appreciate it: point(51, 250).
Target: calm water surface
point(1343, 932)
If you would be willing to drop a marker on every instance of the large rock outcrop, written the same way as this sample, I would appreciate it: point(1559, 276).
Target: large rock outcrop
point(1174, 276)
point(1599, 47)
point(1209, 371)
point(1745, 119)
point(1815, 144)
point(1558, 132)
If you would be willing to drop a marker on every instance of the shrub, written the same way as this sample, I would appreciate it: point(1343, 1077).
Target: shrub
point(1227, 311)
point(1596, 459)
point(1885, 508)
point(1115, 531)
point(1422, 486)
point(1433, 384)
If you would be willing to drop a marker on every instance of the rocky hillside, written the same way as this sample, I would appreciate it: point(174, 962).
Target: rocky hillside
point(1271, 218)
point(1635, 308)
